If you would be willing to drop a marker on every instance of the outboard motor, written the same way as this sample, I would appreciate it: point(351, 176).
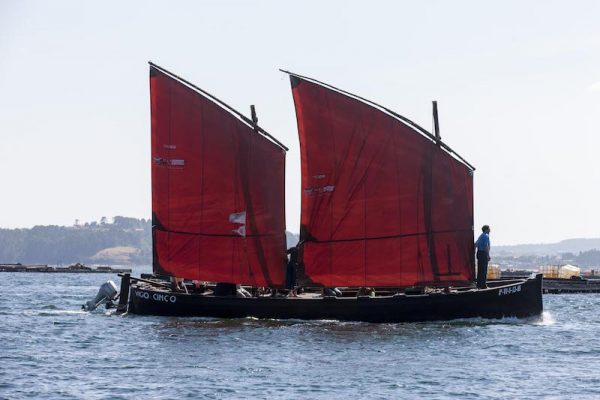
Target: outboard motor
point(107, 292)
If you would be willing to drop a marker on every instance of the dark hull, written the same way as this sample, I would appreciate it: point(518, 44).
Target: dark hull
point(519, 298)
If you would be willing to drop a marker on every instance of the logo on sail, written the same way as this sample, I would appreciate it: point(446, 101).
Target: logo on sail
point(239, 218)
point(169, 162)
point(319, 190)
point(240, 231)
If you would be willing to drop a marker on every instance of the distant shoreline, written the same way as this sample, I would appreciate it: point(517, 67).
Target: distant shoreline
point(72, 269)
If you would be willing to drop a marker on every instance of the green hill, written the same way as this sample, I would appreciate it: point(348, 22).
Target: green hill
point(92, 242)
point(125, 241)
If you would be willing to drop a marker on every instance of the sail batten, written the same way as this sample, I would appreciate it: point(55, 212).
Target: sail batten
point(383, 204)
point(217, 189)
point(315, 240)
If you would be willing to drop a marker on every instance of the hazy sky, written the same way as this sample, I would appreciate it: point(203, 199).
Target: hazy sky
point(518, 86)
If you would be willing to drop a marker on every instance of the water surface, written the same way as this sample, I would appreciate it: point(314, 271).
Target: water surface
point(49, 348)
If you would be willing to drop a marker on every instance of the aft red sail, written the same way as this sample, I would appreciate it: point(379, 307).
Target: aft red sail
point(382, 203)
point(217, 190)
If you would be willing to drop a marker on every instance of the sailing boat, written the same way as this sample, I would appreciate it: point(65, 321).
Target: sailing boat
point(387, 215)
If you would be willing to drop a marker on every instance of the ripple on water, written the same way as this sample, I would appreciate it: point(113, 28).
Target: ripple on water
point(50, 348)
point(51, 312)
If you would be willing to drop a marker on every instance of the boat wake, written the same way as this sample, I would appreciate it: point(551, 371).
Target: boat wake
point(51, 312)
point(546, 319)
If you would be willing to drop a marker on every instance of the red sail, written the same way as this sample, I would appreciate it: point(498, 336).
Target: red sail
point(382, 203)
point(217, 190)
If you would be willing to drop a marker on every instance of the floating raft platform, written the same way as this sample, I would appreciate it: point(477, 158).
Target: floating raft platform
point(560, 285)
point(555, 286)
point(72, 269)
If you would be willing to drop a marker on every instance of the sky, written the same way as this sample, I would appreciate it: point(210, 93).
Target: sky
point(517, 84)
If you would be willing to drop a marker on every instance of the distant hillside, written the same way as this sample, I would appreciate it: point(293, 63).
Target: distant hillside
point(549, 249)
point(91, 242)
point(128, 241)
point(125, 241)
point(291, 238)
point(117, 255)
point(582, 252)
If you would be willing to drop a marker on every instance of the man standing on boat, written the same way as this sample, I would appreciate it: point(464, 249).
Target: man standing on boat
point(290, 274)
point(483, 256)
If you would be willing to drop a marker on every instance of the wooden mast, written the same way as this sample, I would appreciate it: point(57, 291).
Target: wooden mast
point(436, 124)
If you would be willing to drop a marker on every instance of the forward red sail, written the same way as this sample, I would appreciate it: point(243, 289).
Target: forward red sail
point(217, 190)
point(382, 203)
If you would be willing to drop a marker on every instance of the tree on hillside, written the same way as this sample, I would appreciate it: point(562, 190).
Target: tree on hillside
point(60, 244)
point(127, 223)
point(588, 258)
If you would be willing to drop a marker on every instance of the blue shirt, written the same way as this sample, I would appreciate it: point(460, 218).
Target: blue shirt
point(483, 243)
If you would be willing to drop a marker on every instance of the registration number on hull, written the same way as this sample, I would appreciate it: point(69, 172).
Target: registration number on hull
point(509, 290)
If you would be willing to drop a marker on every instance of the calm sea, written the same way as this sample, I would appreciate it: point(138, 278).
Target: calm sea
point(49, 348)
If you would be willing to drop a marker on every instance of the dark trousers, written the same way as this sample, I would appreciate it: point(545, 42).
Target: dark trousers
point(482, 267)
point(290, 275)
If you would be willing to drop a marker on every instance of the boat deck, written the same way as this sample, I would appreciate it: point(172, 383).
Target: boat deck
point(519, 298)
point(150, 283)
